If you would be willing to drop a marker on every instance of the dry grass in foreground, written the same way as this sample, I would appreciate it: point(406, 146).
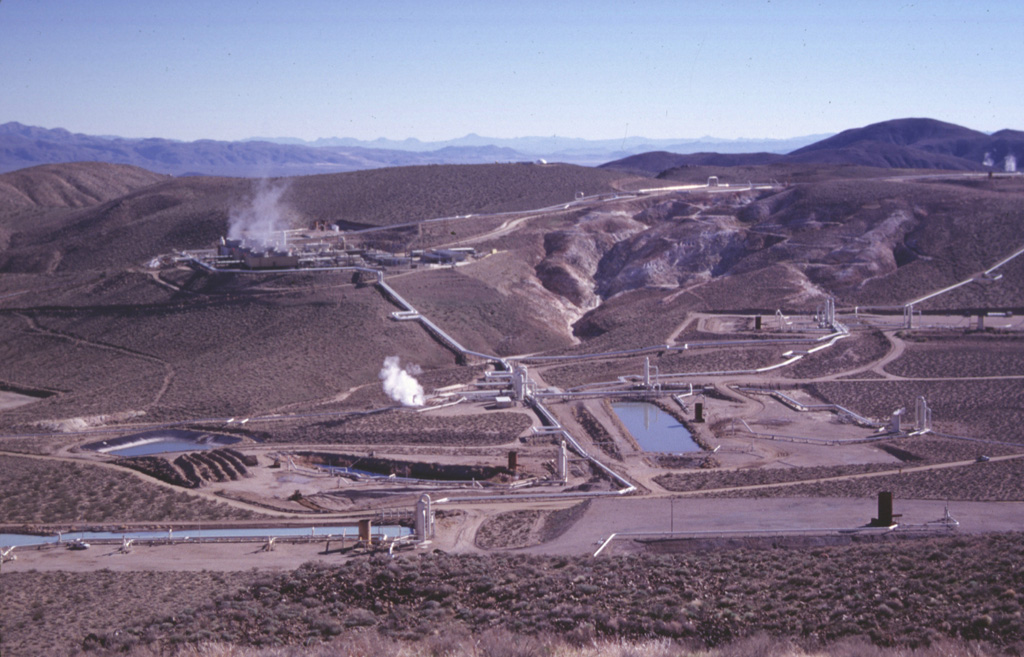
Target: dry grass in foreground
point(54, 613)
point(895, 593)
point(497, 643)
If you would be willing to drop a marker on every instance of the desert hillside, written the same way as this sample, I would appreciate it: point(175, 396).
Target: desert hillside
point(125, 215)
point(622, 273)
point(72, 185)
point(448, 338)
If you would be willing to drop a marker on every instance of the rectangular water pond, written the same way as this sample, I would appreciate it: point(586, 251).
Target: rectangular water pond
point(654, 429)
point(161, 441)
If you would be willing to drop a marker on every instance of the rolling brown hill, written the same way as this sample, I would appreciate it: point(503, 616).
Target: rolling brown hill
point(917, 143)
point(657, 163)
point(912, 143)
point(188, 213)
point(73, 185)
point(128, 229)
point(782, 172)
point(222, 346)
point(404, 194)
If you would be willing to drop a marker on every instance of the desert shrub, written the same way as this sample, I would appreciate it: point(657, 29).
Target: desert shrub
point(882, 591)
point(495, 428)
point(596, 431)
point(50, 491)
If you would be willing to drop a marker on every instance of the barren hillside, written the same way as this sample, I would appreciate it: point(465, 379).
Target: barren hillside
point(74, 185)
point(82, 320)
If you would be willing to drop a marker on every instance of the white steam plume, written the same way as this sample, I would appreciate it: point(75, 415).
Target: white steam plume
point(988, 161)
point(399, 384)
point(261, 221)
point(1010, 163)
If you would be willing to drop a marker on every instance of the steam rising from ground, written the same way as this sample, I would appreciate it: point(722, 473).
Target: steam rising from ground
point(399, 383)
point(1010, 163)
point(261, 221)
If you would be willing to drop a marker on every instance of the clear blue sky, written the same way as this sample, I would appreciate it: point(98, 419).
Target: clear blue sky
point(227, 69)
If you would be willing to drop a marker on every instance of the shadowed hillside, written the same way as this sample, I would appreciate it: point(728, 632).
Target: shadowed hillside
point(197, 346)
point(399, 195)
point(124, 230)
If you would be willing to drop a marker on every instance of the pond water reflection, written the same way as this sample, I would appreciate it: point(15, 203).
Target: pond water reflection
point(161, 441)
point(654, 429)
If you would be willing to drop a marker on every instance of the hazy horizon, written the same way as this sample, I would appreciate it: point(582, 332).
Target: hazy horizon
point(598, 71)
point(468, 135)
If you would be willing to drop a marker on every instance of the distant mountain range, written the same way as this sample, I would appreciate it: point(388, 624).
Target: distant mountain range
point(900, 144)
point(24, 146)
point(565, 149)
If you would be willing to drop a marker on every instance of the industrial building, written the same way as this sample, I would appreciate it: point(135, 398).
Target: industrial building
point(317, 248)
